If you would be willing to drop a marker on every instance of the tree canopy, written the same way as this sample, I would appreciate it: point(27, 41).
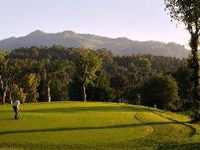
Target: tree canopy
point(56, 73)
point(188, 12)
point(87, 64)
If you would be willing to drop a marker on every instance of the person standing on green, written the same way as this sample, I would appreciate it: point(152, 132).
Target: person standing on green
point(16, 108)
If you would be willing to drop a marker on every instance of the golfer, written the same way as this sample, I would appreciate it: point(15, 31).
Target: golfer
point(16, 108)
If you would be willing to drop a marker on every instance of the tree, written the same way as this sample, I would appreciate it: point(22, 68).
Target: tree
point(106, 56)
point(183, 76)
point(188, 12)
point(5, 76)
point(87, 64)
point(119, 83)
point(32, 82)
point(144, 63)
point(3, 90)
point(75, 90)
point(61, 77)
point(49, 69)
point(162, 91)
point(100, 89)
point(18, 93)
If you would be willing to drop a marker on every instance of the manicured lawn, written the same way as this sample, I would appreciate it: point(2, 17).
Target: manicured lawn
point(78, 125)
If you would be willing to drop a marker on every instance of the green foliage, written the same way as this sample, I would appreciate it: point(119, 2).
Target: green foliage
point(132, 95)
point(185, 11)
point(161, 91)
point(183, 76)
point(119, 83)
point(61, 73)
point(87, 64)
point(188, 12)
point(100, 89)
point(49, 70)
point(3, 54)
point(75, 90)
point(18, 93)
point(59, 89)
point(31, 83)
point(145, 63)
point(106, 56)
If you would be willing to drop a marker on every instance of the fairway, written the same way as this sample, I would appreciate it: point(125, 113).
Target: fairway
point(78, 125)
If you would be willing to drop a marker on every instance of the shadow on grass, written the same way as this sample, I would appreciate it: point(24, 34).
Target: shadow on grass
point(6, 119)
point(84, 128)
point(175, 146)
point(86, 109)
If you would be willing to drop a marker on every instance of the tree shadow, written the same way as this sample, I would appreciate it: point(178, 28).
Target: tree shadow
point(6, 111)
point(7, 119)
point(84, 128)
point(86, 109)
point(175, 146)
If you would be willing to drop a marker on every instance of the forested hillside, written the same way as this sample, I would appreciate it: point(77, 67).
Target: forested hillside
point(57, 73)
point(118, 46)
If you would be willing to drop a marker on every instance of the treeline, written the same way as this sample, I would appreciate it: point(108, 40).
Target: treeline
point(56, 73)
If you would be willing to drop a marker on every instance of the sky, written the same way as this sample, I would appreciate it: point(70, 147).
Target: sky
point(140, 20)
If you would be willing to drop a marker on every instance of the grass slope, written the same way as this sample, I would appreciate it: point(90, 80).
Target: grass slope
point(77, 125)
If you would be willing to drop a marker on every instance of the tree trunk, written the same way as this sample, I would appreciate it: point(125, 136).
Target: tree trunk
point(4, 98)
point(4, 95)
point(10, 97)
point(84, 94)
point(195, 58)
point(2, 90)
point(48, 91)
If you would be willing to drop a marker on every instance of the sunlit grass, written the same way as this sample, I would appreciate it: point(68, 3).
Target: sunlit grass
point(77, 125)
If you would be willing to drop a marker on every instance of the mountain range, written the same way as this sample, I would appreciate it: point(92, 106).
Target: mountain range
point(118, 46)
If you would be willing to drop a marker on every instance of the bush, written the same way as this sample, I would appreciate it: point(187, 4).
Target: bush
point(161, 90)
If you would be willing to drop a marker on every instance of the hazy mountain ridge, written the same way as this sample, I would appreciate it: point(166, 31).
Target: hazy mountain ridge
point(119, 46)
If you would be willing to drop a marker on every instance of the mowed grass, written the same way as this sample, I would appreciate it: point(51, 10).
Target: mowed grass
point(79, 125)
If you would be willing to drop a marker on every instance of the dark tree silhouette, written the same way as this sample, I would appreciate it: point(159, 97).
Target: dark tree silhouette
point(188, 12)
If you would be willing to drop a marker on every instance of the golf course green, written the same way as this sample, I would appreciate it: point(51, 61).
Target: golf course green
point(92, 126)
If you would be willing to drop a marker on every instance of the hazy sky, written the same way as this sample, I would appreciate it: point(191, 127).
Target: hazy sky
point(135, 19)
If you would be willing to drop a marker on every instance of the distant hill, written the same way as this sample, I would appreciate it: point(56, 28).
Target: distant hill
point(119, 46)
